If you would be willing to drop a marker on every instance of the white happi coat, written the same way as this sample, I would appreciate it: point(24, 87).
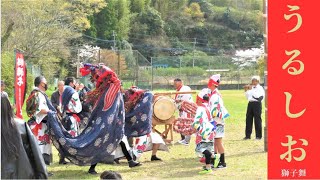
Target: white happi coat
point(41, 130)
point(216, 107)
point(74, 106)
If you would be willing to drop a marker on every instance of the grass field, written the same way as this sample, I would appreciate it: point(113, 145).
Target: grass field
point(245, 159)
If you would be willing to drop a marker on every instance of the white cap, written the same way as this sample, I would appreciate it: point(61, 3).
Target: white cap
point(214, 80)
point(255, 78)
point(203, 92)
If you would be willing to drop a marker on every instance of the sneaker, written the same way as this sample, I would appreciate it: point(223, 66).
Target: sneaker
point(92, 171)
point(206, 171)
point(133, 163)
point(258, 138)
point(50, 174)
point(184, 143)
point(221, 165)
point(246, 138)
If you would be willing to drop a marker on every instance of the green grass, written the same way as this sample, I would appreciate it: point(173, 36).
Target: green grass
point(245, 159)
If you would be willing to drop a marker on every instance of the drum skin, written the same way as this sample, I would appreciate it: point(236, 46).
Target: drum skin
point(163, 108)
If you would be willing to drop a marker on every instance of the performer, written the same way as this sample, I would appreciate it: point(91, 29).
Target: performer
point(86, 107)
point(71, 106)
point(56, 99)
point(178, 85)
point(219, 113)
point(71, 81)
point(37, 108)
point(123, 150)
point(205, 127)
point(255, 94)
point(150, 142)
point(138, 123)
point(20, 154)
point(104, 131)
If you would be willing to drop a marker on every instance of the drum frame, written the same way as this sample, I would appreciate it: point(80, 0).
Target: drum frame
point(167, 134)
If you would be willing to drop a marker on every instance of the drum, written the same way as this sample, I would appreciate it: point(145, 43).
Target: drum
point(184, 126)
point(163, 108)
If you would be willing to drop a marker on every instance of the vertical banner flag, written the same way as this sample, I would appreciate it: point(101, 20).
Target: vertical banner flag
point(293, 100)
point(20, 85)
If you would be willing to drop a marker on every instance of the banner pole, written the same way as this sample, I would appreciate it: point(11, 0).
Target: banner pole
point(265, 35)
point(14, 87)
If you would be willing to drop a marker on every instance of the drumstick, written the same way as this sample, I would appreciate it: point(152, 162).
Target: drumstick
point(171, 93)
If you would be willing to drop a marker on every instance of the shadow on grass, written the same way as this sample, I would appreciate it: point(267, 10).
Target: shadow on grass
point(72, 174)
point(246, 154)
point(182, 168)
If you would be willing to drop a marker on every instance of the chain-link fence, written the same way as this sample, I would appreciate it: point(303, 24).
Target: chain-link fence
point(130, 65)
point(35, 70)
point(195, 71)
point(159, 72)
point(134, 70)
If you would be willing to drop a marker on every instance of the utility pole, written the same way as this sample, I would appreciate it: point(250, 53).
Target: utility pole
point(116, 51)
point(119, 62)
point(179, 66)
point(151, 74)
point(114, 40)
point(194, 47)
point(99, 56)
point(78, 63)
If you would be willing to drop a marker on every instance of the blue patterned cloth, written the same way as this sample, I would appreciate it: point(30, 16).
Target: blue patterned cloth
point(139, 120)
point(98, 140)
point(66, 96)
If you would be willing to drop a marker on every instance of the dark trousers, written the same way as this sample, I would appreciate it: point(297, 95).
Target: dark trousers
point(182, 137)
point(125, 151)
point(61, 157)
point(254, 112)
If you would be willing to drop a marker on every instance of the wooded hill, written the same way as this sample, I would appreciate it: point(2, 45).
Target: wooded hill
point(175, 27)
point(50, 32)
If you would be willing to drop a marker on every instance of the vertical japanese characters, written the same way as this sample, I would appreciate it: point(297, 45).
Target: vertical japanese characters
point(294, 71)
point(20, 82)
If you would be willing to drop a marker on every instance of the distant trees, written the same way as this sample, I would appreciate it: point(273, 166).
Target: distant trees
point(50, 32)
point(115, 17)
point(151, 25)
point(44, 30)
point(194, 11)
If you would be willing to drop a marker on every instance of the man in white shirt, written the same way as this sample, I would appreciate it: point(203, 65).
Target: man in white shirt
point(255, 94)
point(178, 85)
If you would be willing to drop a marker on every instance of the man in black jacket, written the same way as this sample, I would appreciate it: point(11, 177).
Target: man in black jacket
point(56, 96)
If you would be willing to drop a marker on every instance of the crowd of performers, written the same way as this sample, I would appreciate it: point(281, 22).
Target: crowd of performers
point(107, 122)
point(93, 126)
point(206, 119)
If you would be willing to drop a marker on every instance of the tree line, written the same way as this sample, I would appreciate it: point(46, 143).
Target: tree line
point(50, 31)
